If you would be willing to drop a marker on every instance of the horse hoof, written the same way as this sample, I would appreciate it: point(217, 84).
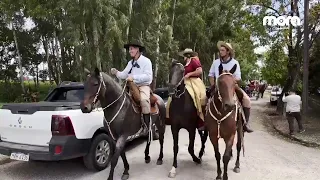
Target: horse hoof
point(236, 170)
point(218, 178)
point(172, 175)
point(125, 177)
point(196, 160)
point(147, 160)
point(159, 162)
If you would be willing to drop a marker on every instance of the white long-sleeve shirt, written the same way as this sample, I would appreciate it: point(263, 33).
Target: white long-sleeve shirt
point(214, 69)
point(293, 103)
point(142, 74)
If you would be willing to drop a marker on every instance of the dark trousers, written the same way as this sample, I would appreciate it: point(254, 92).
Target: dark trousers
point(290, 117)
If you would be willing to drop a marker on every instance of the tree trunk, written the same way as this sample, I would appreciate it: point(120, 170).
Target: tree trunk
point(58, 60)
point(65, 70)
point(95, 35)
point(155, 73)
point(19, 59)
point(50, 69)
point(173, 12)
point(128, 28)
point(77, 63)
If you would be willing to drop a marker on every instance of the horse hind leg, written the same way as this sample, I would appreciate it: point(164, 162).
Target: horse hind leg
point(204, 137)
point(192, 136)
point(161, 130)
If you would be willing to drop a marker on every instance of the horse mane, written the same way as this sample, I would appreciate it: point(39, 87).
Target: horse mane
point(111, 82)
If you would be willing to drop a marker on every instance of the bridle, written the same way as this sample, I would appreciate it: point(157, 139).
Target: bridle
point(102, 84)
point(211, 100)
point(175, 88)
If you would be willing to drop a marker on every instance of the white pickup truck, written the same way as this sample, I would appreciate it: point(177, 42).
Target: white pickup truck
point(55, 129)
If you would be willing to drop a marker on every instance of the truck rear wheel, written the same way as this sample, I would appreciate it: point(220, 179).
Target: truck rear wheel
point(100, 153)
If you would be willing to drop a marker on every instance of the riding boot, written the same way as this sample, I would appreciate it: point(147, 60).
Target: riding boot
point(246, 126)
point(146, 118)
point(201, 125)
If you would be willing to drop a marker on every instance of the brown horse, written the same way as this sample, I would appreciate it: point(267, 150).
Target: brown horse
point(262, 88)
point(223, 120)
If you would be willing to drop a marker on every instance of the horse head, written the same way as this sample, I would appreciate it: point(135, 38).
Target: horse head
point(94, 86)
point(225, 88)
point(176, 76)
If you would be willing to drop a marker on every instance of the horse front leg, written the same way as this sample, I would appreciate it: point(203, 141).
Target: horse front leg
point(204, 137)
point(125, 174)
point(215, 142)
point(147, 158)
point(239, 144)
point(227, 156)
point(118, 151)
point(192, 136)
point(175, 135)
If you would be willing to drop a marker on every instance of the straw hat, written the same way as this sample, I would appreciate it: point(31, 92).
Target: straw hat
point(226, 45)
point(187, 51)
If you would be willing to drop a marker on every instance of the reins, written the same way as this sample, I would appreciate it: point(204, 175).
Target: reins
point(177, 85)
point(116, 114)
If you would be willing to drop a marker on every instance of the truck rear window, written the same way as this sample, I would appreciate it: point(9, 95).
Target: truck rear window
point(66, 95)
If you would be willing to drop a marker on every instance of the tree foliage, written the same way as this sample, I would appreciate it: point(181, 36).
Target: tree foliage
point(69, 35)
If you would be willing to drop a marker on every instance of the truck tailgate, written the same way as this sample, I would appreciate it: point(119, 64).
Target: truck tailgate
point(31, 129)
point(29, 123)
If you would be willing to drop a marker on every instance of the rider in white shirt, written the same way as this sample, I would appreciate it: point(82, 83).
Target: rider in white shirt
point(138, 70)
point(227, 62)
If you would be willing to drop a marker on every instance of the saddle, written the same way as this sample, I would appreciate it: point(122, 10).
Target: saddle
point(134, 94)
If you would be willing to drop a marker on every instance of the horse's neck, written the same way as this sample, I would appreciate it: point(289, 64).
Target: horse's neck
point(181, 92)
point(112, 93)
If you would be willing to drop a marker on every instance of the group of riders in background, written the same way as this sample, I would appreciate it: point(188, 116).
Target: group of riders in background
point(255, 88)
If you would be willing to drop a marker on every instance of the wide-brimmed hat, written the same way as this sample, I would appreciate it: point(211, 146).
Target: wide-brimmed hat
point(226, 45)
point(135, 44)
point(186, 52)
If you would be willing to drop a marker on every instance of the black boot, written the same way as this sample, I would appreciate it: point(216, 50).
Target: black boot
point(146, 118)
point(246, 126)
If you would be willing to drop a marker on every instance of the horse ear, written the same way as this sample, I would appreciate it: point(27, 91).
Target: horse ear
point(87, 71)
point(220, 69)
point(97, 71)
point(233, 69)
point(174, 62)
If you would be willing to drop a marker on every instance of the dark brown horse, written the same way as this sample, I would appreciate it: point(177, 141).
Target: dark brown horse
point(262, 88)
point(223, 120)
point(121, 119)
point(183, 114)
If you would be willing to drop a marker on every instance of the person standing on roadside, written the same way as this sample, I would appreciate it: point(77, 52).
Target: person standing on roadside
point(293, 108)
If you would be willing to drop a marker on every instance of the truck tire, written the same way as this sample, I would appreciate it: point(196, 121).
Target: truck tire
point(100, 153)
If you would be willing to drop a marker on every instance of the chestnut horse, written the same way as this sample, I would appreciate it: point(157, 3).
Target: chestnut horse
point(223, 120)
